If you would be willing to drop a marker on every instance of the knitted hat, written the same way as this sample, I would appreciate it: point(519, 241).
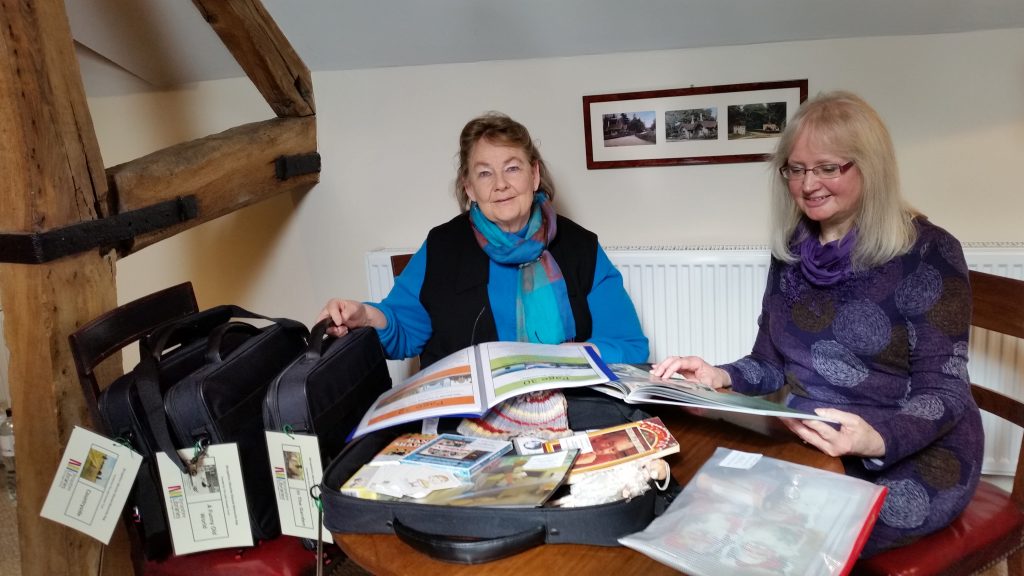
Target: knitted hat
point(539, 414)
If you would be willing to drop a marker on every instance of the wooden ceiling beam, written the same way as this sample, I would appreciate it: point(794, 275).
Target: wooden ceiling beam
point(263, 52)
point(225, 172)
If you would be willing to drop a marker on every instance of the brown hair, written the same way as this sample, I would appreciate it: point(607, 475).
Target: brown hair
point(846, 125)
point(497, 128)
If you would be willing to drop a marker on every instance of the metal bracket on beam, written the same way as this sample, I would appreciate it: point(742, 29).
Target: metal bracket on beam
point(41, 247)
point(286, 167)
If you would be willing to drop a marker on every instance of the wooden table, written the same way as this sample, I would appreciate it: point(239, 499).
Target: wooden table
point(698, 437)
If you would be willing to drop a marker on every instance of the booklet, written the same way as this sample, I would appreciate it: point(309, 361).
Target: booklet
point(463, 456)
point(746, 514)
point(400, 448)
point(472, 380)
point(635, 385)
point(608, 447)
point(397, 482)
point(511, 481)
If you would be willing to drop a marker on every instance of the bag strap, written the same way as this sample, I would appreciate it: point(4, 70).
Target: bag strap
point(464, 550)
point(147, 383)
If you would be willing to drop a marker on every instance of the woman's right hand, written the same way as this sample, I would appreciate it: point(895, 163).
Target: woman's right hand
point(692, 368)
point(348, 314)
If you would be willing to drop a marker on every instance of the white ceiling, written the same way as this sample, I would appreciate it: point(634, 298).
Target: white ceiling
point(137, 45)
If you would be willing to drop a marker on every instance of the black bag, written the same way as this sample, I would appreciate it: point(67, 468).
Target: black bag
point(471, 535)
point(221, 401)
point(328, 389)
point(125, 418)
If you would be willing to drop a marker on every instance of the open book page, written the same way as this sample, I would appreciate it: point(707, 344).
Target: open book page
point(635, 386)
point(772, 518)
point(514, 368)
point(446, 387)
point(472, 380)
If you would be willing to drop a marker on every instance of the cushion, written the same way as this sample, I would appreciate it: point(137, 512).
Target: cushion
point(989, 528)
point(282, 556)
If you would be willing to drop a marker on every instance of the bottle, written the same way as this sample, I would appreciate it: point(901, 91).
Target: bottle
point(7, 454)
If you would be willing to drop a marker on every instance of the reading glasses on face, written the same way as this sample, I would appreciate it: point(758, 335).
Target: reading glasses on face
point(823, 171)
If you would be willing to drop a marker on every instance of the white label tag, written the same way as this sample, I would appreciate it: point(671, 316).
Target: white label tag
point(92, 484)
point(740, 460)
point(206, 511)
point(295, 467)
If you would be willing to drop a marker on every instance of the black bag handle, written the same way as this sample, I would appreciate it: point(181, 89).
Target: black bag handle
point(469, 550)
point(213, 343)
point(316, 338)
point(147, 374)
point(156, 342)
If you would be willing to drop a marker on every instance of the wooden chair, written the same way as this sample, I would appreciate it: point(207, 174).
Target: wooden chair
point(991, 529)
point(398, 263)
point(100, 339)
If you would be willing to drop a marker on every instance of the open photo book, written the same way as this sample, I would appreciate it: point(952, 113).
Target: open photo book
point(744, 514)
point(635, 385)
point(472, 380)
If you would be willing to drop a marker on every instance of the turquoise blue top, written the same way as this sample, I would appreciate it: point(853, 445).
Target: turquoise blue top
point(616, 327)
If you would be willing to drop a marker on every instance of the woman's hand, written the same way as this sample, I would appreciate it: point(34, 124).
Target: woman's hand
point(855, 437)
point(348, 314)
point(692, 368)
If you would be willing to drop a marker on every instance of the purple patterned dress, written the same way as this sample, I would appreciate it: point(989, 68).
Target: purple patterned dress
point(888, 344)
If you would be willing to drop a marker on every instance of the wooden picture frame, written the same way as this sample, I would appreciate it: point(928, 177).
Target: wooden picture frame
point(687, 126)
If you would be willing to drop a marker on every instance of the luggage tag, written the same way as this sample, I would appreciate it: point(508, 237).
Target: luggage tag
point(296, 468)
point(206, 510)
point(90, 488)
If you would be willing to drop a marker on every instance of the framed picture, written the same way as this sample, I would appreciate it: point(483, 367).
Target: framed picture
point(702, 125)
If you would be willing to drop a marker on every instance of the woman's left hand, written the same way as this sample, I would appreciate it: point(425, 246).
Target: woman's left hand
point(855, 437)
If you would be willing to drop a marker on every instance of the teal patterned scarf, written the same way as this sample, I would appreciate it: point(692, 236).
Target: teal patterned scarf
point(543, 313)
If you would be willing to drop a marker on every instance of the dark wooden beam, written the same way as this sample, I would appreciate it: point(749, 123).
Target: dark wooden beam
point(264, 53)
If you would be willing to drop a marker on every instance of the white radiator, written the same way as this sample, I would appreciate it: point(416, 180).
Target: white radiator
point(705, 301)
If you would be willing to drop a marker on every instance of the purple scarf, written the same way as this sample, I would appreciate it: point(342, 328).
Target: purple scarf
point(826, 265)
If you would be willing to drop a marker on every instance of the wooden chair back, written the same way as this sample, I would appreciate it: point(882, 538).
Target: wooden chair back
point(104, 336)
point(398, 263)
point(999, 306)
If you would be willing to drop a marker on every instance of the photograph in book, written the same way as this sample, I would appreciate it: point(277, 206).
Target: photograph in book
point(607, 447)
point(472, 380)
point(773, 518)
point(511, 481)
point(635, 385)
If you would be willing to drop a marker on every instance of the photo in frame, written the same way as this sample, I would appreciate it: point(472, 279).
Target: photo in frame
point(686, 126)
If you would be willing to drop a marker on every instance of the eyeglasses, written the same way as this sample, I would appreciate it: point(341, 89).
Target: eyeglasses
point(823, 171)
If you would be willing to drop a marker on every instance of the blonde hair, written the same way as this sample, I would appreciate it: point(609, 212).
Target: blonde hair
point(845, 125)
point(497, 128)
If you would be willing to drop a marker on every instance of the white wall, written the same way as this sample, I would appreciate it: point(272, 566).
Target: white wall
point(388, 137)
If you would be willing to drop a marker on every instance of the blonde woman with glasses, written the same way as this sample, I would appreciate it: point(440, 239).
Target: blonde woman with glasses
point(865, 319)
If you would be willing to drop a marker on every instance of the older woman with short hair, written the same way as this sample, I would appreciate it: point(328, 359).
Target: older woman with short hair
point(865, 318)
